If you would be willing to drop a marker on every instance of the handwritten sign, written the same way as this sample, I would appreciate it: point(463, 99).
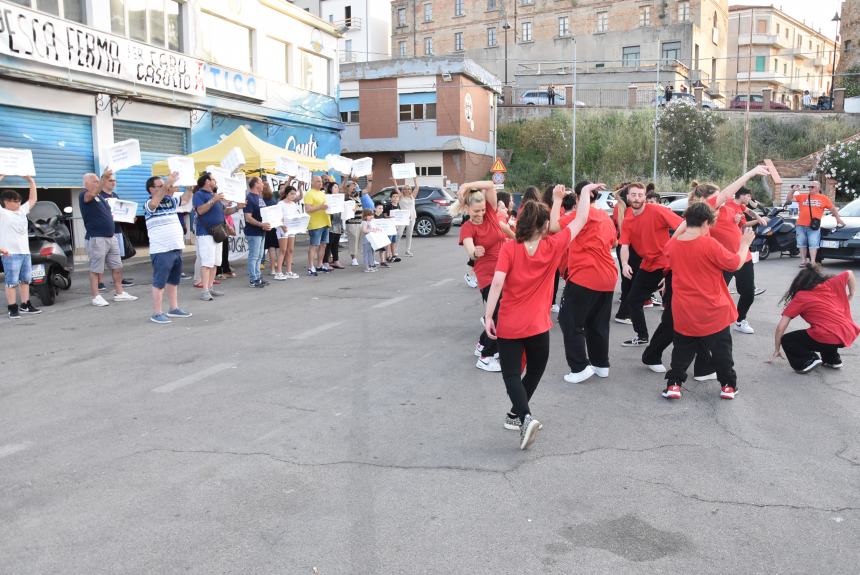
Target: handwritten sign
point(16, 162)
point(378, 240)
point(348, 210)
point(387, 225)
point(122, 210)
point(400, 217)
point(185, 166)
point(234, 160)
point(334, 203)
point(339, 163)
point(272, 215)
point(403, 171)
point(362, 167)
point(297, 224)
point(287, 166)
point(123, 155)
point(234, 188)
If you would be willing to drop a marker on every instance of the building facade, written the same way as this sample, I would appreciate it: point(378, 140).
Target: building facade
point(364, 24)
point(83, 74)
point(849, 57)
point(436, 112)
point(529, 43)
point(773, 50)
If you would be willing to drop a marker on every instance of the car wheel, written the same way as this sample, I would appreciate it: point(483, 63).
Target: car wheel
point(764, 252)
point(530, 104)
point(442, 231)
point(425, 226)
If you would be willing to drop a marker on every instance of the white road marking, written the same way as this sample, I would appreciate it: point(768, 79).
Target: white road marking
point(12, 448)
point(316, 330)
point(389, 302)
point(442, 282)
point(193, 378)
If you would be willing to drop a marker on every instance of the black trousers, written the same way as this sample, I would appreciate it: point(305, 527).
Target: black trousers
point(800, 349)
point(665, 333)
point(745, 284)
point(634, 260)
point(584, 321)
point(224, 268)
point(332, 248)
point(644, 284)
point(686, 347)
point(491, 346)
point(555, 287)
point(521, 386)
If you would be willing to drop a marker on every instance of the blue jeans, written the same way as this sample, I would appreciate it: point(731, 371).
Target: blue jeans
point(18, 268)
point(808, 238)
point(255, 256)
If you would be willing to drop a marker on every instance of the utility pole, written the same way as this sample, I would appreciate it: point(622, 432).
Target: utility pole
point(573, 137)
point(749, 94)
point(656, 117)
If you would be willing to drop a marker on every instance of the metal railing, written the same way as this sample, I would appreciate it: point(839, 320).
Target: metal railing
point(348, 23)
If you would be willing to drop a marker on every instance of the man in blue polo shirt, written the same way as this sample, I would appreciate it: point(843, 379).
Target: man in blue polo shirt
point(255, 231)
point(101, 244)
point(207, 203)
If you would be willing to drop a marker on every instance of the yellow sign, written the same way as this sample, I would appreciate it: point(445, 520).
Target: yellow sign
point(498, 166)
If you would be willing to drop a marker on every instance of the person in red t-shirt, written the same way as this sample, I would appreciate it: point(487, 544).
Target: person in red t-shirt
point(586, 304)
point(481, 237)
point(824, 303)
point(702, 308)
point(618, 212)
point(646, 229)
point(523, 281)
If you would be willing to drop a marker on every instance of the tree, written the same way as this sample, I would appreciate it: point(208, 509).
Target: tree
point(841, 162)
point(687, 135)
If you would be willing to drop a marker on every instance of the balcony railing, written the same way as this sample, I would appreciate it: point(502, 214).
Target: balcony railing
point(348, 23)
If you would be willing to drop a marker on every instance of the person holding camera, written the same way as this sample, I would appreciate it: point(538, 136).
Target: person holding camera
point(811, 205)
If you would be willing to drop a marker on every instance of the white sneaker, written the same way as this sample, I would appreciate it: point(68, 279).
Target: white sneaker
point(478, 349)
point(280, 277)
point(657, 368)
point(601, 371)
point(708, 377)
point(488, 364)
point(743, 326)
point(581, 376)
point(292, 275)
point(555, 308)
point(470, 280)
point(124, 296)
point(354, 262)
point(99, 301)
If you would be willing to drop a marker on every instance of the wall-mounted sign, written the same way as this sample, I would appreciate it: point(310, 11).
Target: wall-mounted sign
point(40, 38)
point(235, 82)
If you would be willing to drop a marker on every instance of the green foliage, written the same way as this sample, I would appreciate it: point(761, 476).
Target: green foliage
point(841, 161)
point(851, 82)
point(687, 136)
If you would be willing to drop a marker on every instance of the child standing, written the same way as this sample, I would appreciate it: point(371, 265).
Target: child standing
point(367, 250)
point(287, 240)
point(379, 213)
point(15, 249)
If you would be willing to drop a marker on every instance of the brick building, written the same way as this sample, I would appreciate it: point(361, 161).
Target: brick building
point(618, 43)
point(850, 36)
point(436, 112)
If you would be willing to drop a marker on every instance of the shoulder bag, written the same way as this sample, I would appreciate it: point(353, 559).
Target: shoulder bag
point(814, 223)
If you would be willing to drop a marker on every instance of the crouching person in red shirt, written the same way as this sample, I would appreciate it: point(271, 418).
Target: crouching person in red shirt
point(702, 308)
point(524, 276)
point(823, 302)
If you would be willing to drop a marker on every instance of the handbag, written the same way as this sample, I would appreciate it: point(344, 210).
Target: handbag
point(814, 223)
point(218, 232)
point(128, 249)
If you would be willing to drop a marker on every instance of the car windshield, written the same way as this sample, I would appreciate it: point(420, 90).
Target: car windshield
point(851, 210)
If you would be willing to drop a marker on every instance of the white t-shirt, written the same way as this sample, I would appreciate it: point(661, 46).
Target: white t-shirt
point(290, 210)
point(13, 230)
point(163, 227)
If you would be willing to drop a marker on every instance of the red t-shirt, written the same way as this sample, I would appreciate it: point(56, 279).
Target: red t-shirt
point(488, 235)
point(819, 203)
point(726, 230)
point(589, 256)
point(701, 304)
point(527, 295)
point(827, 310)
point(648, 233)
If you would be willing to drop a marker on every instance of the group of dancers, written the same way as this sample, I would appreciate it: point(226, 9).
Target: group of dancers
point(690, 260)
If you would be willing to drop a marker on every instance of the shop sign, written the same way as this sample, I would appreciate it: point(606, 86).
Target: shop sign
point(235, 83)
point(40, 38)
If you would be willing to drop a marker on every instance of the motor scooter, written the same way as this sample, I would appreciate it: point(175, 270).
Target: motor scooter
point(50, 251)
point(778, 236)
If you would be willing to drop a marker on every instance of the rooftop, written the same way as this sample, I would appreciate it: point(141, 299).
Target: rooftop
point(427, 66)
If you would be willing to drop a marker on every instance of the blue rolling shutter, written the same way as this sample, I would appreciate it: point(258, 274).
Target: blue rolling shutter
point(156, 143)
point(62, 145)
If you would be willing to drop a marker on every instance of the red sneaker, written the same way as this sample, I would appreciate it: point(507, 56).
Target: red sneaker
point(727, 392)
point(672, 392)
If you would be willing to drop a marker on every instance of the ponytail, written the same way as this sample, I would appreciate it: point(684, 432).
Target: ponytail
point(471, 198)
point(531, 219)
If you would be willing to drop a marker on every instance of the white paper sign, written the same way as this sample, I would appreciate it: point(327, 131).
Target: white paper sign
point(304, 175)
point(378, 240)
point(287, 166)
point(400, 217)
point(334, 202)
point(339, 163)
point(272, 215)
point(122, 210)
point(233, 160)
point(234, 188)
point(362, 167)
point(123, 155)
point(16, 162)
point(297, 224)
point(185, 166)
point(403, 171)
point(387, 225)
point(183, 208)
point(348, 209)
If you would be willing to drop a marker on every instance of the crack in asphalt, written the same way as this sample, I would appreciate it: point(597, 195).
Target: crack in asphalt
point(839, 454)
point(699, 498)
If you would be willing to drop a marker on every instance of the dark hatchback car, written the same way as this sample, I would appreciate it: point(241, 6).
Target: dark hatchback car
point(431, 208)
point(841, 243)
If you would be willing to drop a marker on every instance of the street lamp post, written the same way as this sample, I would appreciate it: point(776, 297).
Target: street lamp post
point(838, 21)
point(506, 27)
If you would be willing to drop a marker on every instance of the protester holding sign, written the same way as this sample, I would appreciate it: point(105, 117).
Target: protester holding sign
point(331, 256)
point(101, 243)
point(255, 231)
point(15, 248)
point(108, 193)
point(407, 202)
point(287, 239)
point(211, 231)
point(353, 225)
point(318, 227)
point(394, 204)
point(367, 251)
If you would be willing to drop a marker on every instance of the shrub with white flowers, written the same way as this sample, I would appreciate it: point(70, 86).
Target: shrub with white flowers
point(686, 135)
point(841, 162)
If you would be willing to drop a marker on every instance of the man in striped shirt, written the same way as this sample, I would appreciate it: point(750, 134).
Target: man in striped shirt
point(166, 242)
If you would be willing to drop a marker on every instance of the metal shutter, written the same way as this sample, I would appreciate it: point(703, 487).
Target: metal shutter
point(156, 143)
point(62, 145)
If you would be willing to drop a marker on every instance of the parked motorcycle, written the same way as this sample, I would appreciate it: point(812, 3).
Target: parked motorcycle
point(778, 236)
point(50, 251)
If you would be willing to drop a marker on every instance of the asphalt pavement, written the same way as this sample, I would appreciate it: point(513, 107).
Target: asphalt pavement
point(338, 425)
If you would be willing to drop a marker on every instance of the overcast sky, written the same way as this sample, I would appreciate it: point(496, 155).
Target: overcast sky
point(817, 13)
